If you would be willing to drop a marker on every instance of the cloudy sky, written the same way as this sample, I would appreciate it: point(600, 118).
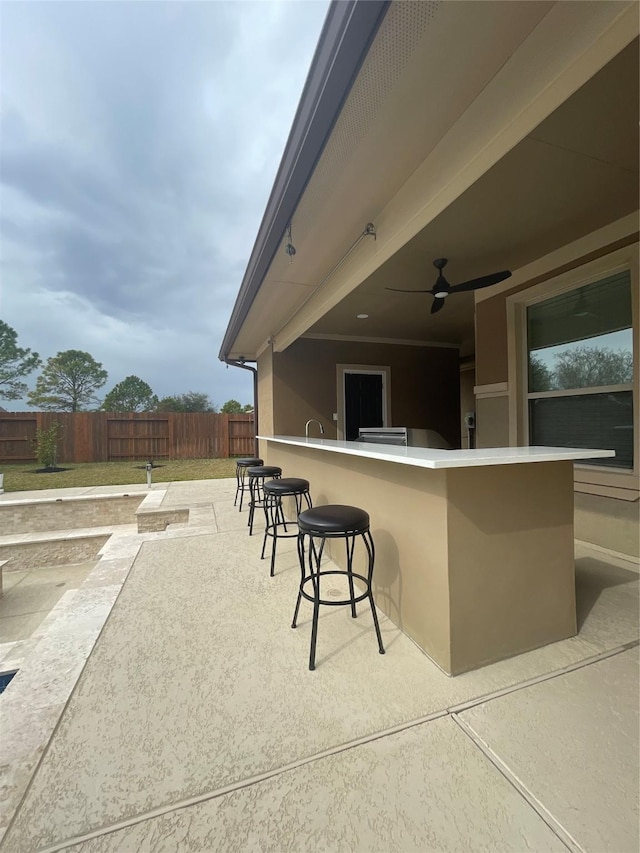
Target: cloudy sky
point(139, 143)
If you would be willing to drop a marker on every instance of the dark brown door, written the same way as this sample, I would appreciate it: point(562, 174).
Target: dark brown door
point(362, 402)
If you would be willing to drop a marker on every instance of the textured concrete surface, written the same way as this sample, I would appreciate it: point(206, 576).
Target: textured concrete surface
point(427, 788)
point(196, 721)
point(607, 600)
point(33, 703)
point(572, 742)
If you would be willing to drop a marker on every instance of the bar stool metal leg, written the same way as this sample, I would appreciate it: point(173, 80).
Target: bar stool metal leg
point(314, 556)
point(242, 487)
point(350, 572)
point(294, 621)
point(368, 541)
point(252, 503)
point(273, 515)
point(371, 549)
point(314, 628)
point(235, 500)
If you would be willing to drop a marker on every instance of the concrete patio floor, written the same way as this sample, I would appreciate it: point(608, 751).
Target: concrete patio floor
point(195, 724)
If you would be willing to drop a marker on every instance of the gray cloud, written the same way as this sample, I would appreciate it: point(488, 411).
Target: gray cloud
point(139, 144)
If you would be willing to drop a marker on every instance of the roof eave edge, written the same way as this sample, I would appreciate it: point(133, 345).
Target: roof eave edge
point(348, 31)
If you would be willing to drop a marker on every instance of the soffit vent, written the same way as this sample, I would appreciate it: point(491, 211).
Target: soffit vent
point(401, 32)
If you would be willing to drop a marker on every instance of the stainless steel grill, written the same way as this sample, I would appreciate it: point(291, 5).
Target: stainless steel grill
point(402, 437)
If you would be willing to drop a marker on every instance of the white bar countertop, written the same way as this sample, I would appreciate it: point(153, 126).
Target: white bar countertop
point(426, 457)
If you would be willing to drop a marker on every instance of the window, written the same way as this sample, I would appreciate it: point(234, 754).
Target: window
point(580, 369)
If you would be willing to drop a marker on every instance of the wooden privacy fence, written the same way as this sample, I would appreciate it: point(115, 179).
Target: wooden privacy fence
point(110, 436)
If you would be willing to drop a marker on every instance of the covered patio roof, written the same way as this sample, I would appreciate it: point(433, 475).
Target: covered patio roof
point(489, 133)
point(576, 172)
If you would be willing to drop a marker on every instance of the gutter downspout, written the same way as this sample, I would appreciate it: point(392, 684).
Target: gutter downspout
point(237, 362)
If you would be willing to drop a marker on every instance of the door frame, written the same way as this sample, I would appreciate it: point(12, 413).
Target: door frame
point(380, 370)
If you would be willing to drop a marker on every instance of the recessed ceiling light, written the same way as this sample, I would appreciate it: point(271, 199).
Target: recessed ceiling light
point(361, 316)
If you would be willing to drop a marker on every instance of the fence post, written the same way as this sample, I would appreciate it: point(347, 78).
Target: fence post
point(171, 435)
point(227, 436)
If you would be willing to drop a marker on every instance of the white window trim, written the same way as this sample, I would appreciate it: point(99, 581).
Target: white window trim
point(580, 392)
point(586, 477)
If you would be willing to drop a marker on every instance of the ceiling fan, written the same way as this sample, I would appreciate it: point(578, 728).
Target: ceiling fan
point(442, 288)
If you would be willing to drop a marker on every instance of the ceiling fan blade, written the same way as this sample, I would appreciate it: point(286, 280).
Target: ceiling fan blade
point(483, 281)
point(400, 290)
point(438, 304)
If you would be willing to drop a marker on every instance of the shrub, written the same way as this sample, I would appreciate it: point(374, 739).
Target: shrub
point(46, 445)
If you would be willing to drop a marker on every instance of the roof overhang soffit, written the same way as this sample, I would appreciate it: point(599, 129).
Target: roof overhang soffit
point(571, 43)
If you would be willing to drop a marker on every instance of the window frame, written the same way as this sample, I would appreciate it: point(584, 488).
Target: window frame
point(595, 479)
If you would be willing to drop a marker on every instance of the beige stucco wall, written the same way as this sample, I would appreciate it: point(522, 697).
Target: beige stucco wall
point(492, 419)
point(608, 523)
point(265, 393)
point(511, 564)
point(491, 341)
point(425, 383)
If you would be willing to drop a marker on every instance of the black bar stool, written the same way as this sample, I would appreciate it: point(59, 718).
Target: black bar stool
point(333, 522)
point(241, 469)
point(275, 522)
point(257, 476)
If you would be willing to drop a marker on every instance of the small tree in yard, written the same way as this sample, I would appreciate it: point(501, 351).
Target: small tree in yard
point(68, 382)
point(46, 445)
point(131, 395)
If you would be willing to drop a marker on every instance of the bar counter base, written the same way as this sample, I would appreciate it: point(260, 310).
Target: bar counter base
point(474, 564)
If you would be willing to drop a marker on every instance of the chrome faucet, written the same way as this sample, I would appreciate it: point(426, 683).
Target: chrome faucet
point(310, 421)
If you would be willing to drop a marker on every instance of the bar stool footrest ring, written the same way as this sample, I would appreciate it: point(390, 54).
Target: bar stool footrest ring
point(334, 603)
point(269, 531)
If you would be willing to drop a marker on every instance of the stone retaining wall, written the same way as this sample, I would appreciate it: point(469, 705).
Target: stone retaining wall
point(51, 552)
point(155, 520)
point(67, 513)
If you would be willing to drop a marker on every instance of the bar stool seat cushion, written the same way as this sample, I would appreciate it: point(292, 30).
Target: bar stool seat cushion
point(287, 486)
point(249, 461)
point(264, 471)
point(333, 518)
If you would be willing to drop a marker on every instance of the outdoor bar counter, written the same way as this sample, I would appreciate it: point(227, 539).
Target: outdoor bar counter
point(474, 548)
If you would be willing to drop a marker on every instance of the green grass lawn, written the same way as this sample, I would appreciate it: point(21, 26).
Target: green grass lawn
point(21, 477)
